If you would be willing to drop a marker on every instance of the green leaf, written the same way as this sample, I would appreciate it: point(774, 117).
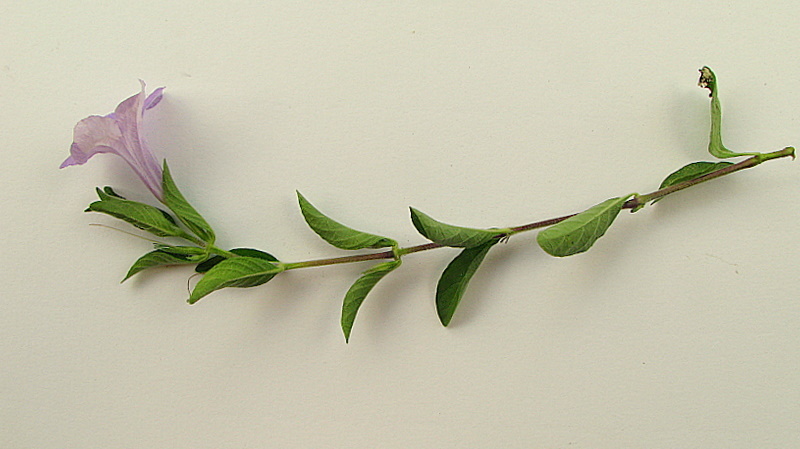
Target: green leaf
point(709, 81)
point(143, 216)
point(194, 251)
point(691, 171)
point(338, 234)
point(456, 277)
point(108, 190)
point(449, 235)
point(185, 212)
point(235, 272)
point(160, 258)
point(578, 233)
point(248, 252)
point(359, 290)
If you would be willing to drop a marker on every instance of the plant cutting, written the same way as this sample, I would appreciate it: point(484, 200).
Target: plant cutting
point(120, 133)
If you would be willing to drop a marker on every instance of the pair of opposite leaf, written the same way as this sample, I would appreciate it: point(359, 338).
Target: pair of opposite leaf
point(160, 223)
point(155, 220)
point(453, 282)
point(571, 236)
point(248, 268)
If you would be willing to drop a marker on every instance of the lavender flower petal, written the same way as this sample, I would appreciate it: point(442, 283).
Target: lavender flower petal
point(120, 133)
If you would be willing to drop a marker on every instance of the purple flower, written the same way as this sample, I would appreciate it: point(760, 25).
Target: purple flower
point(120, 133)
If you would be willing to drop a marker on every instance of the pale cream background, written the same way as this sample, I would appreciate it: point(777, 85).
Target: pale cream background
point(680, 329)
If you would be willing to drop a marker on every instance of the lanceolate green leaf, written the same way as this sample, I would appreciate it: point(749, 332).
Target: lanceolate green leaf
point(160, 258)
point(248, 252)
point(196, 252)
point(456, 277)
point(691, 171)
point(338, 234)
point(143, 216)
point(449, 235)
point(709, 81)
point(578, 233)
point(359, 290)
point(187, 214)
point(109, 191)
point(235, 272)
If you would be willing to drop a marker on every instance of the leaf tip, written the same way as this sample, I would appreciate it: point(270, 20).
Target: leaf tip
point(347, 328)
point(303, 202)
point(194, 297)
point(707, 80)
point(110, 191)
point(416, 220)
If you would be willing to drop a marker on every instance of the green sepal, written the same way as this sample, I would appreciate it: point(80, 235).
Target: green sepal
point(187, 214)
point(455, 279)
point(175, 255)
point(709, 81)
point(359, 290)
point(337, 234)
point(579, 232)
point(449, 235)
point(143, 216)
point(691, 171)
point(235, 272)
point(247, 252)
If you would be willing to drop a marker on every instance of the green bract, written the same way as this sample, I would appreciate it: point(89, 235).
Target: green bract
point(359, 290)
point(143, 216)
point(578, 233)
point(337, 234)
point(183, 210)
point(449, 235)
point(456, 277)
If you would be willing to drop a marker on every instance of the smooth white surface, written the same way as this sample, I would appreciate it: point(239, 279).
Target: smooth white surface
point(679, 329)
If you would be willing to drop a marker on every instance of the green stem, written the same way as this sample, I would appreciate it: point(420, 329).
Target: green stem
point(339, 260)
point(750, 162)
point(634, 203)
